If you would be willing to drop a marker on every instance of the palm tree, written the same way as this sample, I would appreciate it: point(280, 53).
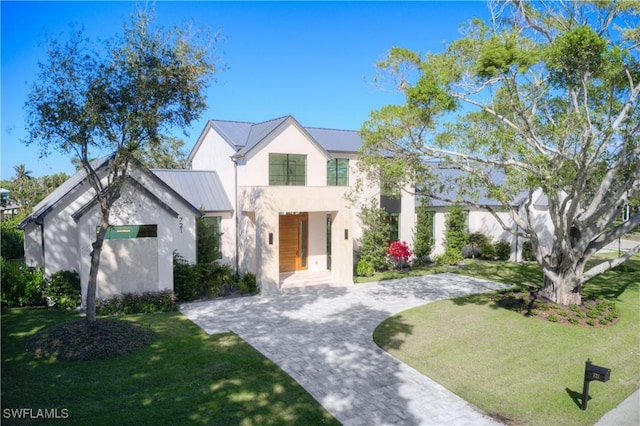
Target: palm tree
point(22, 173)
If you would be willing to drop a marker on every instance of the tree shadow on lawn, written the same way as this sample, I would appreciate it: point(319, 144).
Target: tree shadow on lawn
point(391, 333)
point(527, 278)
point(612, 284)
point(185, 375)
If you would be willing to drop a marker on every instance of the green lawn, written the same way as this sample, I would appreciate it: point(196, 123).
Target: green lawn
point(523, 370)
point(185, 376)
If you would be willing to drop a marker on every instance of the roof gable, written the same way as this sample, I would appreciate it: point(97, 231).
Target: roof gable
point(264, 133)
point(79, 178)
point(244, 136)
point(57, 195)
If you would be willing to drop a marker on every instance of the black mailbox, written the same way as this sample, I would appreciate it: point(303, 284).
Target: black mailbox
point(592, 372)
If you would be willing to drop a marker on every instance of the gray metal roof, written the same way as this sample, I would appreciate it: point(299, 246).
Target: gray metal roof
point(450, 191)
point(234, 132)
point(336, 140)
point(260, 131)
point(246, 135)
point(202, 189)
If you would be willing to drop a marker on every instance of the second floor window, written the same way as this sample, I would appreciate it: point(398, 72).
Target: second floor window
point(287, 169)
point(338, 172)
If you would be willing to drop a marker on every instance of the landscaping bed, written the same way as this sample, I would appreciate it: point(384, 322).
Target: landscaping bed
point(593, 312)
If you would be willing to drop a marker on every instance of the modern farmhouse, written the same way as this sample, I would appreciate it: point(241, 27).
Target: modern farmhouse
point(277, 191)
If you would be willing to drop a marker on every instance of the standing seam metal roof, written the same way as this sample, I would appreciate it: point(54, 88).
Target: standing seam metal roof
point(246, 135)
point(202, 189)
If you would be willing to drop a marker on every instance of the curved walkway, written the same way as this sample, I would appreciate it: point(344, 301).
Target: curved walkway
point(322, 337)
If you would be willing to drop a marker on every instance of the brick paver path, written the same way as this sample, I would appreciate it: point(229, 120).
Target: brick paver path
point(322, 337)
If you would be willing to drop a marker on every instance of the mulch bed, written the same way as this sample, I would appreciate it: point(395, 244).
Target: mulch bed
point(82, 341)
point(592, 313)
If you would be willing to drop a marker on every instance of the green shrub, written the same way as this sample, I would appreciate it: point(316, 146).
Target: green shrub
point(477, 241)
point(455, 234)
point(527, 251)
point(375, 235)
point(186, 279)
point(11, 238)
point(553, 318)
point(21, 286)
point(450, 257)
point(132, 303)
point(248, 284)
point(423, 239)
point(488, 251)
point(364, 268)
point(217, 280)
point(503, 250)
point(62, 290)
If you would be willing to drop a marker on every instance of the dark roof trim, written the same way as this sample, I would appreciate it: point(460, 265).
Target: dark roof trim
point(288, 120)
point(87, 207)
point(53, 199)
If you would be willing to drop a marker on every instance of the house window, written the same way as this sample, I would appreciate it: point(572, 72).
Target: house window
point(287, 169)
point(210, 239)
point(130, 231)
point(338, 172)
point(394, 226)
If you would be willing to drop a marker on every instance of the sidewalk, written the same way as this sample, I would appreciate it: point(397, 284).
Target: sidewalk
point(625, 414)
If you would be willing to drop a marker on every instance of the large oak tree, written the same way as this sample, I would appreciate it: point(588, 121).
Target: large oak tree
point(118, 99)
point(546, 94)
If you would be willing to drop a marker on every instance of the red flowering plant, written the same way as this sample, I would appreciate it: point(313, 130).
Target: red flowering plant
point(399, 254)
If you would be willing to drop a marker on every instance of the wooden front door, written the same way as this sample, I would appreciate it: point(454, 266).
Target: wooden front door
point(293, 240)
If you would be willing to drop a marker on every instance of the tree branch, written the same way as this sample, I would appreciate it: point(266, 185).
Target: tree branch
point(608, 264)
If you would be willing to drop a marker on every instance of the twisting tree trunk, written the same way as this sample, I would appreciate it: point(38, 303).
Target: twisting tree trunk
point(92, 283)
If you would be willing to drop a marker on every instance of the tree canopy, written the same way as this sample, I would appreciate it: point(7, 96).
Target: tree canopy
point(547, 95)
point(118, 99)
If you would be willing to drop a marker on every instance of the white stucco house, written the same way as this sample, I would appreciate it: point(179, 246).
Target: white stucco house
point(276, 190)
point(483, 222)
point(150, 221)
point(289, 185)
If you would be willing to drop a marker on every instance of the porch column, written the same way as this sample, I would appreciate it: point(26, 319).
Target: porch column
point(267, 274)
point(342, 247)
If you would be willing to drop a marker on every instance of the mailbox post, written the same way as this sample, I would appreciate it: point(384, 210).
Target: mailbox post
point(592, 372)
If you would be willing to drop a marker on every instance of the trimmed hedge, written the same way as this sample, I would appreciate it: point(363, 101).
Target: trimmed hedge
point(134, 303)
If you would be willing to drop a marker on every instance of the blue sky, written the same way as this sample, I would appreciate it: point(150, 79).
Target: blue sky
point(313, 60)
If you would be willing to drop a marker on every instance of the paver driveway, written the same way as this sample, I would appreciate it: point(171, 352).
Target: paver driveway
point(322, 337)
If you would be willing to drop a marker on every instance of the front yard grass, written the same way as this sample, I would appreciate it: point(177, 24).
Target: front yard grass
point(523, 370)
point(184, 377)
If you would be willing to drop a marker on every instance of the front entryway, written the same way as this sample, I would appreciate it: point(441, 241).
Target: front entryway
point(294, 241)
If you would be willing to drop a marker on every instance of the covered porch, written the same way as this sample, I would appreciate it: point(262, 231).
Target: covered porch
point(302, 236)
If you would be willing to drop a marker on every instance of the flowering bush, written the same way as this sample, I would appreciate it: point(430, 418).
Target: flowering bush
point(398, 254)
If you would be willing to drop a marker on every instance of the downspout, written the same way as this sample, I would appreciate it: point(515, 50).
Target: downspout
point(237, 213)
